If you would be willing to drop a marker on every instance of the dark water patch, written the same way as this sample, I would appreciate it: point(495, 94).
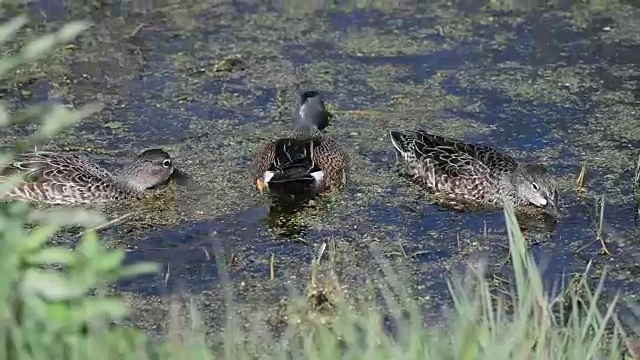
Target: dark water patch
point(51, 10)
point(152, 126)
point(250, 7)
point(246, 240)
point(545, 121)
point(611, 80)
point(546, 40)
point(540, 40)
point(553, 39)
point(170, 43)
point(181, 269)
point(598, 24)
point(507, 116)
point(618, 229)
point(343, 21)
point(152, 84)
point(31, 92)
point(619, 53)
point(309, 52)
point(213, 87)
point(423, 66)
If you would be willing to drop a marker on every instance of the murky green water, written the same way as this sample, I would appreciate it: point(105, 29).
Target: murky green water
point(558, 86)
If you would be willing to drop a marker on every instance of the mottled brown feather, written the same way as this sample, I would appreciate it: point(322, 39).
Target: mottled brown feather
point(64, 179)
point(334, 161)
point(316, 152)
point(306, 160)
point(265, 157)
point(468, 172)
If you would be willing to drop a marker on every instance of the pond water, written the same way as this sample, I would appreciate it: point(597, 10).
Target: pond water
point(556, 85)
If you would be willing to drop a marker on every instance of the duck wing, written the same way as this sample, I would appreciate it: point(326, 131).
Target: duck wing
point(452, 157)
point(48, 176)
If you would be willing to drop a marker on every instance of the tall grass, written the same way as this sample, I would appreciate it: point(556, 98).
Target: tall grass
point(52, 304)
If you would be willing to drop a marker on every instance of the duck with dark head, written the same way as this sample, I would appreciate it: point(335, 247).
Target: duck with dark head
point(305, 163)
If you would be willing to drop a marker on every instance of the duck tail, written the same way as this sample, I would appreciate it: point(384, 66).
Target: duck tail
point(292, 172)
point(400, 141)
point(295, 182)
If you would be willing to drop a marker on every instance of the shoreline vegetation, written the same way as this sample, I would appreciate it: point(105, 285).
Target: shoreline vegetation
point(53, 302)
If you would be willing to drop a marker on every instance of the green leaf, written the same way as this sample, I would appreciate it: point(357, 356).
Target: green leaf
point(36, 307)
point(52, 255)
point(90, 246)
point(44, 44)
point(108, 261)
point(67, 217)
point(37, 237)
point(72, 29)
point(5, 160)
point(58, 315)
point(96, 307)
point(60, 118)
point(38, 47)
point(139, 269)
point(13, 233)
point(114, 125)
point(5, 119)
point(11, 27)
point(56, 120)
point(50, 285)
point(10, 182)
point(8, 63)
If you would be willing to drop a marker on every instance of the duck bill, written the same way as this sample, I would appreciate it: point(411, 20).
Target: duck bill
point(260, 185)
point(552, 208)
point(181, 178)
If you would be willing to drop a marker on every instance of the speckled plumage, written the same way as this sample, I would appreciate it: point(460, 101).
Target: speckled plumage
point(307, 161)
point(54, 178)
point(472, 173)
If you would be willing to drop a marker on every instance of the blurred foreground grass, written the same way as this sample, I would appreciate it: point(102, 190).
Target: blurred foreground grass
point(52, 301)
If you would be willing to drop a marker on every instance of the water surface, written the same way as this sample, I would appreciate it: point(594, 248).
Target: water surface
point(557, 86)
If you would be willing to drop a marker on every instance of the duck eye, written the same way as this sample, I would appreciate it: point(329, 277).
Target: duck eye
point(535, 186)
point(166, 163)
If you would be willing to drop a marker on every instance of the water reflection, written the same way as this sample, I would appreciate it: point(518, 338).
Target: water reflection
point(287, 221)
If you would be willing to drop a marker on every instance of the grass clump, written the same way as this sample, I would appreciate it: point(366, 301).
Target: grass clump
point(52, 302)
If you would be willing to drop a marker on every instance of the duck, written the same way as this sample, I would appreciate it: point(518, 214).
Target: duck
point(307, 162)
point(473, 174)
point(58, 178)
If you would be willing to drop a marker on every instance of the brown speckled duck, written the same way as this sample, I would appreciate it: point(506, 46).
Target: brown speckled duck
point(472, 173)
point(307, 162)
point(55, 178)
